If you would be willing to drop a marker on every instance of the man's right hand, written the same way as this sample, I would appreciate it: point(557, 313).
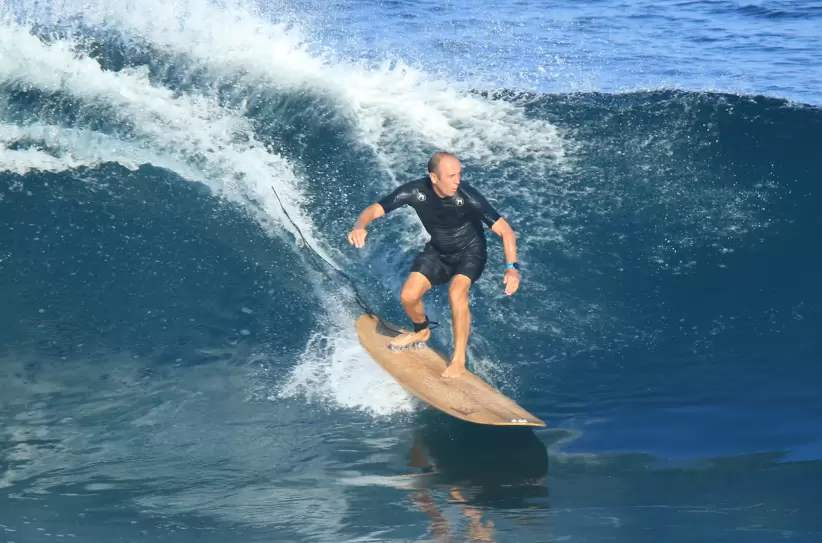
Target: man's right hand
point(357, 237)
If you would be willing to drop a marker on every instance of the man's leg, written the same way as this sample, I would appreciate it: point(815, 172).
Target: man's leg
point(411, 295)
point(461, 319)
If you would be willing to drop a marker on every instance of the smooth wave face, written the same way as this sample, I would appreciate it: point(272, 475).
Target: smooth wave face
point(177, 180)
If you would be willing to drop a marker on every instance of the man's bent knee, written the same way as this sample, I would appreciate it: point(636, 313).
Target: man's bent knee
point(458, 298)
point(410, 296)
point(458, 291)
point(414, 289)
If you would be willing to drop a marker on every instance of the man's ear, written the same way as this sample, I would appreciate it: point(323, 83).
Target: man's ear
point(433, 177)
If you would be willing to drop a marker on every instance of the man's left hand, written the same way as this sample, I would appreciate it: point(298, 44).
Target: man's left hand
point(511, 281)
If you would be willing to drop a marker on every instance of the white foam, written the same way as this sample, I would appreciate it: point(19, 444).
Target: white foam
point(335, 370)
point(402, 112)
point(71, 148)
point(195, 130)
point(23, 161)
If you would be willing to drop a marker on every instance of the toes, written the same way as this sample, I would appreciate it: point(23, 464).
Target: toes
point(416, 346)
point(451, 373)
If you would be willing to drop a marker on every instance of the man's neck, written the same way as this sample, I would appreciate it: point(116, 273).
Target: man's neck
point(436, 189)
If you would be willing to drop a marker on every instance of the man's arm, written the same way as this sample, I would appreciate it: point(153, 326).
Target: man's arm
point(369, 214)
point(398, 198)
point(509, 245)
point(499, 226)
point(509, 239)
point(357, 235)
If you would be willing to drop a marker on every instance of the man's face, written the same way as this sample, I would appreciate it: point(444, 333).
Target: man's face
point(447, 179)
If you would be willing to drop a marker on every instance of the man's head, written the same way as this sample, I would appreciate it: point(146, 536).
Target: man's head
point(444, 170)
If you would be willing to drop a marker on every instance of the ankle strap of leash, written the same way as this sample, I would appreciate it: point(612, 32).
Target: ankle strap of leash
point(423, 325)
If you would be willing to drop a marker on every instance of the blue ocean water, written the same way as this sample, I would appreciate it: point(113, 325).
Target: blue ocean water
point(178, 364)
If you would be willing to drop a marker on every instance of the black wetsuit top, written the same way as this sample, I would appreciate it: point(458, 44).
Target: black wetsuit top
point(454, 223)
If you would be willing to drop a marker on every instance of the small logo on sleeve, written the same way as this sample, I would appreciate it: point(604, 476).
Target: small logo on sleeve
point(459, 201)
point(420, 196)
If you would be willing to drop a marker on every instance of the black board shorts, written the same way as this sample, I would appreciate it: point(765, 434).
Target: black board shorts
point(439, 268)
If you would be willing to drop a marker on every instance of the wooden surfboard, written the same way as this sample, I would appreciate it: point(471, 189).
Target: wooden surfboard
point(468, 398)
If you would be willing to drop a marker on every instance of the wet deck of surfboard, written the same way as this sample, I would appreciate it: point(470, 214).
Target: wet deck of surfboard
point(468, 398)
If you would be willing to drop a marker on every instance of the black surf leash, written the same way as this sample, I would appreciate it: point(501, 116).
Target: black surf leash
point(315, 255)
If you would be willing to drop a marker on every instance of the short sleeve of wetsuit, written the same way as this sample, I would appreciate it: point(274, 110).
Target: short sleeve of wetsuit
point(398, 197)
point(479, 205)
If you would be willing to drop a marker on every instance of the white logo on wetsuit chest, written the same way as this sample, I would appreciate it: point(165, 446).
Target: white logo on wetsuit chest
point(420, 196)
point(459, 201)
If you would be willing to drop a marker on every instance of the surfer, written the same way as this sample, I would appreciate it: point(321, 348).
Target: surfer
point(453, 213)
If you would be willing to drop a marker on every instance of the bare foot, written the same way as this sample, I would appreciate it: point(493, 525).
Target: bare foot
point(404, 340)
point(455, 370)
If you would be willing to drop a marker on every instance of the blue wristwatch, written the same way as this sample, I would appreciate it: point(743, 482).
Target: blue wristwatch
point(513, 265)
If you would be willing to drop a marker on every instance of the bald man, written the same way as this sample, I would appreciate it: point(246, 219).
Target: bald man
point(453, 214)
